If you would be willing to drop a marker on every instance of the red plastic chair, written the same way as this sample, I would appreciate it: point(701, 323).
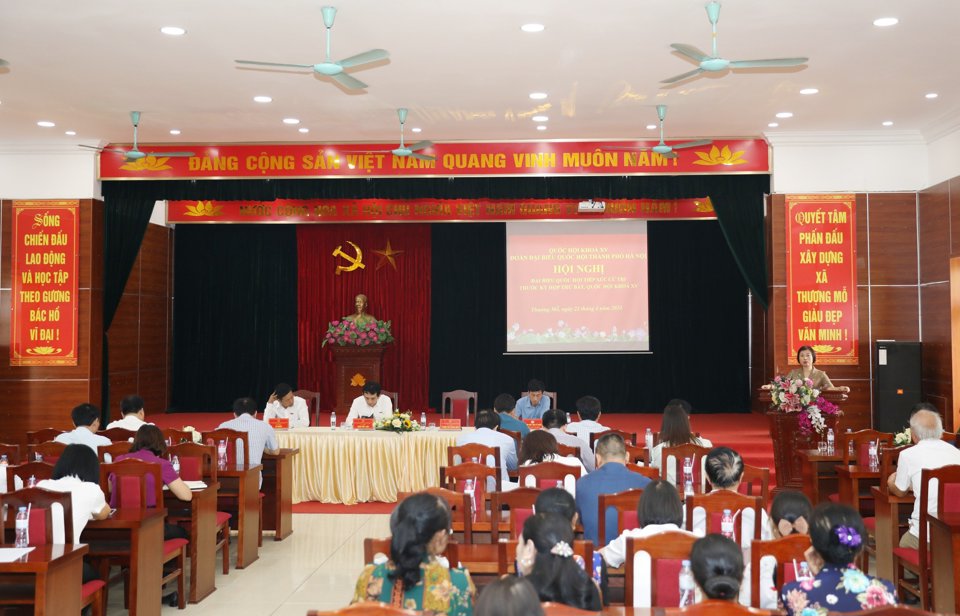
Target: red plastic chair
point(665, 551)
point(49, 450)
point(546, 475)
point(38, 470)
point(462, 404)
point(514, 501)
point(786, 550)
point(621, 502)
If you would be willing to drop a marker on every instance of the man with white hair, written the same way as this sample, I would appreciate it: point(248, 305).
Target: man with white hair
point(928, 451)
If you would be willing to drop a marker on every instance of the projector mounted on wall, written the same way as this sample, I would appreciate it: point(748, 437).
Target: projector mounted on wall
point(591, 207)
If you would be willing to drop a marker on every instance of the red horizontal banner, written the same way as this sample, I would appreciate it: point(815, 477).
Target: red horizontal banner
point(44, 299)
point(433, 210)
point(452, 159)
point(822, 277)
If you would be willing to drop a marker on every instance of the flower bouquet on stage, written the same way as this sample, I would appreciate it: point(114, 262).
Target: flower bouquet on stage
point(800, 417)
point(350, 333)
point(398, 422)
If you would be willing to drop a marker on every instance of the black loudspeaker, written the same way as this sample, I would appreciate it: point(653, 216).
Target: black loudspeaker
point(897, 384)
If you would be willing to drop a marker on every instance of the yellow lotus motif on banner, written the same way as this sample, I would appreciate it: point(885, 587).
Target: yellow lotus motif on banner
point(825, 348)
point(703, 206)
point(43, 350)
point(148, 163)
point(358, 380)
point(203, 209)
point(720, 157)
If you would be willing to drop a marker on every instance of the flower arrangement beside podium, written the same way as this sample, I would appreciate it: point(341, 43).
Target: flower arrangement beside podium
point(349, 333)
point(399, 422)
point(799, 396)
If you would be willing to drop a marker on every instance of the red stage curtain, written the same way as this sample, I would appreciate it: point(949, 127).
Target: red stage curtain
point(401, 295)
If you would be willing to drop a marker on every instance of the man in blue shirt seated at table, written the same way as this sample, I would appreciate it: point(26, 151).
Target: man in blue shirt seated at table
point(610, 477)
point(488, 433)
point(534, 404)
point(505, 404)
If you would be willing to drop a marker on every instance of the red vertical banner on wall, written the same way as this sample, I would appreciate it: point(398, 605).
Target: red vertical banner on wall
point(45, 274)
point(822, 277)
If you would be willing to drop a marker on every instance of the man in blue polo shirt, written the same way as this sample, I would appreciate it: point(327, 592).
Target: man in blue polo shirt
point(505, 404)
point(534, 404)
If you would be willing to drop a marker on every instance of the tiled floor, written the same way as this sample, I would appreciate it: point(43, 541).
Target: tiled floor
point(314, 568)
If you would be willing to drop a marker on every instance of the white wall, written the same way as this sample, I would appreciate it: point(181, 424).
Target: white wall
point(944, 153)
point(48, 172)
point(849, 162)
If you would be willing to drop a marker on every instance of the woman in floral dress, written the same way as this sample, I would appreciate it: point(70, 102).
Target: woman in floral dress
point(417, 577)
point(837, 535)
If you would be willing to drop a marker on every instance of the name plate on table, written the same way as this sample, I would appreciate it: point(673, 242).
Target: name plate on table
point(534, 424)
point(363, 423)
point(449, 424)
point(279, 424)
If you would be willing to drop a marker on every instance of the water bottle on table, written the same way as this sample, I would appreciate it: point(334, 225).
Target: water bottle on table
point(222, 453)
point(32, 482)
point(333, 420)
point(22, 538)
point(850, 444)
point(468, 489)
point(687, 470)
point(874, 458)
point(175, 462)
point(726, 524)
point(423, 419)
point(831, 442)
point(687, 488)
point(648, 440)
point(687, 585)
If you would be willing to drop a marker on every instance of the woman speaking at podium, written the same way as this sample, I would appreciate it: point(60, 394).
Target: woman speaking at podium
point(806, 357)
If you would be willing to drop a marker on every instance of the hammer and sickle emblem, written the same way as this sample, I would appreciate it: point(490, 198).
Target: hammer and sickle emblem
point(355, 262)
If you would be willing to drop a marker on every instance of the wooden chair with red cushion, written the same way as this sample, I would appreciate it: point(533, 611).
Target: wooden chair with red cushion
point(109, 453)
point(38, 470)
point(861, 441)
point(12, 451)
point(126, 483)
point(175, 437)
point(678, 453)
point(647, 471)
point(473, 452)
point(622, 502)
point(50, 451)
point(238, 444)
point(630, 438)
point(312, 398)
point(638, 455)
point(756, 482)
point(394, 398)
point(42, 525)
point(519, 502)
point(366, 608)
point(459, 404)
point(507, 552)
point(918, 561)
point(713, 505)
point(652, 565)
point(461, 512)
point(454, 478)
point(372, 547)
point(546, 475)
point(198, 463)
point(118, 434)
point(567, 450)
point(786, 551)
point(517, 443)
point(35, 437)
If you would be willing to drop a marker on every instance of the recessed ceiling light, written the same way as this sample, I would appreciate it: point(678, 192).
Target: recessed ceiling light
point(46, 124)
point(542, 127)
point(540, 118)
point(809, 91)
point(932, 95)
point(71, 133)
point(538, 96)
point(785, 114)
point(651, 127)
point(291, 121)
point(888, 123)
point(174, 131)
point(304, 130)
point(532, 27)
point(416, 129)
point(773, 125)
point(173, 30)
point(262, 99)
point(885, 22)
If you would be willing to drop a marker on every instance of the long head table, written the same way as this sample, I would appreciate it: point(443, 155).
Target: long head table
point(350, 466)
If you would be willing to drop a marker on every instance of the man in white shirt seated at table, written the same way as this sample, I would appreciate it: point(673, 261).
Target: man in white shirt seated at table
point(133, 415)
point(487, 423)
point(371, 404)
point(928, 451)
point(86, 418)
point(588, 408)
point(284, 405)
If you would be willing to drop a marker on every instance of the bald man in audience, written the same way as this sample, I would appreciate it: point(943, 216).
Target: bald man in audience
point(611, 476)
point(928, 451)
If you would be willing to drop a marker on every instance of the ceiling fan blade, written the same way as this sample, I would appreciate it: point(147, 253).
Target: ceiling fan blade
point(670, 154)
point(691, 52)
point(348, 81)
point(364, 58)
point(420, 145)
point(772, 62)
point(3, 63)
point(691, 144)
point(686, 75)
point(170, 154)
point(92, 147)
point(273, 64)
point(422, 156)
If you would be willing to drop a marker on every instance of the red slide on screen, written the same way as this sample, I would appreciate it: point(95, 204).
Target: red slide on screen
point(577, 287)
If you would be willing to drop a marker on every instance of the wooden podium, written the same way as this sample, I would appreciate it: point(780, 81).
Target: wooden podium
point(788, 441)
point(355, 365)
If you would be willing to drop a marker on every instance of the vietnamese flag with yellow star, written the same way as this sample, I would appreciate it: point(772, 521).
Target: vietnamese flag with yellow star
point(391, 265)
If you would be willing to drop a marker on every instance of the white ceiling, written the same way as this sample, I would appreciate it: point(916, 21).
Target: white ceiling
point(465, 69)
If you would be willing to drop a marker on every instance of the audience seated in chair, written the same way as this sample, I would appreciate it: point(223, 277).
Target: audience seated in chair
point(541, 446)
point(487, 424)
point(509, 596)
point(86, 418)
point(534, 404)
point(78, 472)
point(131, 408)
point(371, 403)
point(611, 476)
point(724, 470)
point(545, 558)
point(837, 534)
point(660, 510)
point(674, 431)
point(553, 422)
point(589, 410)
point(413, 578)
point(717, 566)
point(260, 435)
point(790, 515)
point(284, 404)
point(506, 406)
